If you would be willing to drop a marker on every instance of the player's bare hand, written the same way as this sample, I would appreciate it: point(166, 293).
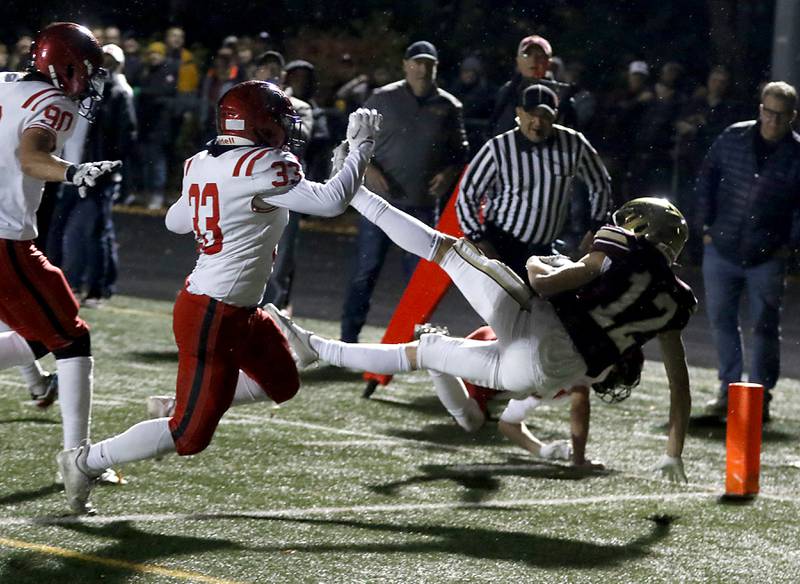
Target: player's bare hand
point(375, 180)
point(87, 174)
point(671, 468)
point(438, 184)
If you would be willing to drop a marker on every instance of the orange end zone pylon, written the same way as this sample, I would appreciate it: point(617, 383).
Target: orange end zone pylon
point(743, 442)
point(425, 290)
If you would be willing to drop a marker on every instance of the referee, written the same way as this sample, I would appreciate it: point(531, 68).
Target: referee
point(515, 195)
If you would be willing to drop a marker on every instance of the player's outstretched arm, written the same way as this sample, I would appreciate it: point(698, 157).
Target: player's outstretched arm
point(333, 197)
point(580, 412)
point(680, 407)
point(37, 161)
point(547, 280)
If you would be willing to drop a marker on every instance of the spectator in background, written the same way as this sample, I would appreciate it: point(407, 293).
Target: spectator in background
point(245, 58)
point(532, 64)
point(476, 94)
point(623, 118)
point(748, 192)
point(185, 101)
point(515, 195)
point(270, 66)
point(133, 59)
point(183, 59)
point(18, 61)
point(157, 90)
point(82, 240)
point(220, 77)
point(653, 164)
point(419, 152)
point(113, 35)
point(99, 33)
point(707, 114)
point(3, 58)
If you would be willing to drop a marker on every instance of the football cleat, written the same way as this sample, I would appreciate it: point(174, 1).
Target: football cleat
point(50, 394)
point(78, 479)
point(298, 337)
point(427, 328)
point(160, 406)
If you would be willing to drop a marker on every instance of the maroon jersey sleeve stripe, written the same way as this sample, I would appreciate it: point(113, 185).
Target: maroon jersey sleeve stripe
point(36, 95)
point(253, 160)
point(187, 165)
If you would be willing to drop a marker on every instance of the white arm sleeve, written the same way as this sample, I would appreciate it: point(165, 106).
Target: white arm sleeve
point(331, 198)
point(179, 216)
point(517, 409)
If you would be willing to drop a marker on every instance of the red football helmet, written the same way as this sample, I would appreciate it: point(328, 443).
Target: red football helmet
point(261, 112)
point(70, 56)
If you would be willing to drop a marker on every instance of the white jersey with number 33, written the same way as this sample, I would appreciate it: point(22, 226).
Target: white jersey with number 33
point(237, 204)
point(24, 105)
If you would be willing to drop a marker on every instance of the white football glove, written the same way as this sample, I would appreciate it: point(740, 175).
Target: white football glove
point(339, 154)
point(671, 468)
point(558, 450)
point(363, 127)
point(86, 174)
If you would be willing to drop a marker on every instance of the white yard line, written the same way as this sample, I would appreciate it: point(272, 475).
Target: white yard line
point(355, 509)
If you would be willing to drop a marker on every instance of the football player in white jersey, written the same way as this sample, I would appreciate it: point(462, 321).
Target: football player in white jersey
point(235, 200)
point(569, 328)
point(37, 114)
point(468, 404)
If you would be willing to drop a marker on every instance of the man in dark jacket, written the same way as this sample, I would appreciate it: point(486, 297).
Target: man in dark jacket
point(748, 192)
point(81, 238)
point(156, 98)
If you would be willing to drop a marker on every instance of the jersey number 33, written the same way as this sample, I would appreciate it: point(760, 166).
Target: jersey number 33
point(205, 221)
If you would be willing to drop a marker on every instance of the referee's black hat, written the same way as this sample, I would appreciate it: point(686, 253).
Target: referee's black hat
point(539, 96)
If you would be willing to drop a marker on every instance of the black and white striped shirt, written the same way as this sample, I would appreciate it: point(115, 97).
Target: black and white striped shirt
point(523, 188)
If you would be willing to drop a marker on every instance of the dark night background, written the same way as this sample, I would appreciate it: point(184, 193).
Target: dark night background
point(604, 34)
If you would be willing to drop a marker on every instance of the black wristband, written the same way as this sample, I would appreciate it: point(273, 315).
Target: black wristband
point(70, 174)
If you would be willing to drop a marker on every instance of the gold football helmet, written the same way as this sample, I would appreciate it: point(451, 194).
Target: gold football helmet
point(658, 221)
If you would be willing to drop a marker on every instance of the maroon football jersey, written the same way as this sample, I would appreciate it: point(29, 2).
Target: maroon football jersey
point(637, 297)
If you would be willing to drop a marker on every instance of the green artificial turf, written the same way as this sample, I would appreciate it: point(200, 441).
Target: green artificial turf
point(334, 488)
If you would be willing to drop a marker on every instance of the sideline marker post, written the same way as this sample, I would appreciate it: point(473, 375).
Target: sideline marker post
point(743, 441)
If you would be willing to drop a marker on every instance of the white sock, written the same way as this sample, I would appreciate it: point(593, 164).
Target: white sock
point(248, 391)
point(33, 375)
point(147, 439)
point(75, 398)
point(451, 392)
point(373, 357)
point(454, 397)
point(406, 231)
point(14, 350)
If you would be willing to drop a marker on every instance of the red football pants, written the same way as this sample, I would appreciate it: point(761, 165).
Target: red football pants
point(35, 299)
point(215, 340)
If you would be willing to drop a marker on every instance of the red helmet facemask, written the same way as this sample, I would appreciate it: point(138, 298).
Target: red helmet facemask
point(71, 58)
point(260, 112)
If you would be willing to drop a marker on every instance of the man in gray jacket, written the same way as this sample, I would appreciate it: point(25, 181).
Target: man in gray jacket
point(418, 155)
